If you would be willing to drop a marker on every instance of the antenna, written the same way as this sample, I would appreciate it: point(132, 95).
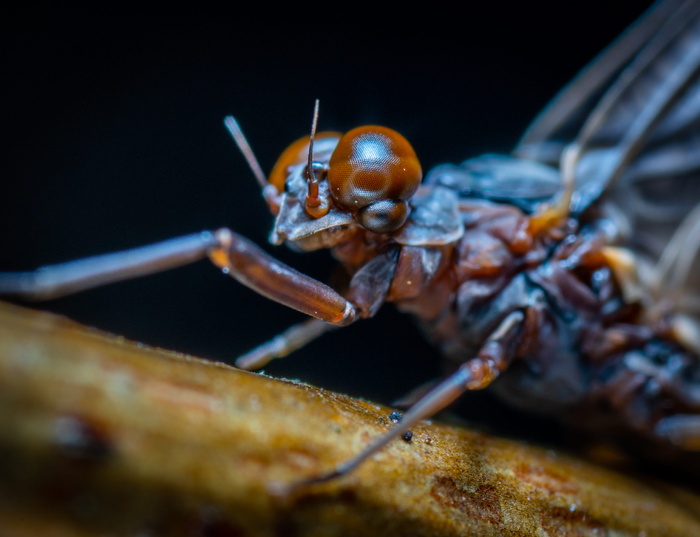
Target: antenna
point(314, 122)
point(244, 146)
point(315, 205)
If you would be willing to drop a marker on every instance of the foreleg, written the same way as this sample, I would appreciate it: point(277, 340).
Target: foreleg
point(54, 281)
point(366, 292)
point(234, 254)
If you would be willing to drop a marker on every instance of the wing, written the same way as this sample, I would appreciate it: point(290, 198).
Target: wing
point(631, 125)
point(626, 132)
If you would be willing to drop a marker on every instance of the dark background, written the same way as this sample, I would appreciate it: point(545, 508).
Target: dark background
point(112, 137)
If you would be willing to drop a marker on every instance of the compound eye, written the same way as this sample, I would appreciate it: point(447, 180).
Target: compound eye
point(372, 164)
point(383, 216)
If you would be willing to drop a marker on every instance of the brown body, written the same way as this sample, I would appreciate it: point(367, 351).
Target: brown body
point(584, 353)
point(511, 265)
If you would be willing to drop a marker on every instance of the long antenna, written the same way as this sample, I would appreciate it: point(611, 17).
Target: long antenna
point(244, 146)
point(312, 182)
point(315, 205)
point(314, 122)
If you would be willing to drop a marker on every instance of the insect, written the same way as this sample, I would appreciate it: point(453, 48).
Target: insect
point(565, 274)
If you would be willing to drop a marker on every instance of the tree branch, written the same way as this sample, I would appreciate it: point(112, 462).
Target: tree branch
point(99, 435)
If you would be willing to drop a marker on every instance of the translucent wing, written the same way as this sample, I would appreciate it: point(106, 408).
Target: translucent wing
point(628, 128)
point(632, 121)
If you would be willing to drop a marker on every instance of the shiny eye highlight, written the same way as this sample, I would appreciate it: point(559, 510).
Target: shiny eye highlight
point(374, 164)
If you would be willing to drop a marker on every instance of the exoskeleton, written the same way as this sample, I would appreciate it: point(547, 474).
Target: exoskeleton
point(566, 274)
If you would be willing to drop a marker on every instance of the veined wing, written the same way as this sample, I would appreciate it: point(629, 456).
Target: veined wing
point(630, 123)
point(626, 131)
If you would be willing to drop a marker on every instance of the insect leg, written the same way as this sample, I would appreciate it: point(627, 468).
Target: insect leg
point(475, 374)
point(284, 344)
point(247, 263)
point(53, 281)
point(366, 293)
point(234, 254)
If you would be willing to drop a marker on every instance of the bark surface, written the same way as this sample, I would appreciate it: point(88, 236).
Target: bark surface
point(103, 436)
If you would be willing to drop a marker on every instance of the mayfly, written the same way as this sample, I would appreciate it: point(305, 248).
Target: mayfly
point(566, 275)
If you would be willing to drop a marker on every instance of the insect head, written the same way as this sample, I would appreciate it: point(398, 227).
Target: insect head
point(362, 178)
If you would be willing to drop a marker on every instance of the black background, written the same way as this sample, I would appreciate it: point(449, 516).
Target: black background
point(112, 137)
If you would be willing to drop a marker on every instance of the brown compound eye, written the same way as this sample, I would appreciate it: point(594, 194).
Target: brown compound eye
point(375, 169)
